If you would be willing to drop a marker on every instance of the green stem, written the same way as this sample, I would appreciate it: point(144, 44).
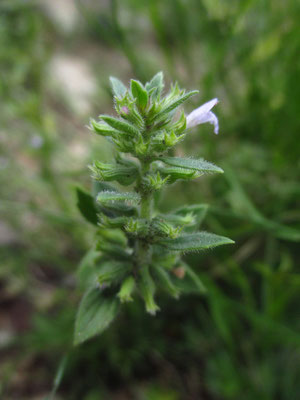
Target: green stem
point(143, 248)
point(147, 198)
point(146, 207)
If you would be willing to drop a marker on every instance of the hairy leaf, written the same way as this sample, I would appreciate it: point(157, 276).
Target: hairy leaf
point(94, 315)
point(121, 126)
point(190, 163)
point(119, 89)
point(103, 129)
point(174, 104)
point(107, 197)
point(140, 93)
point(194, 242)
point(156, 84)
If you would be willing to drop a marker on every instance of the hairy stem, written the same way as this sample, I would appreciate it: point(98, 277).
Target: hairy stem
point(143, 248)
point(146, 202)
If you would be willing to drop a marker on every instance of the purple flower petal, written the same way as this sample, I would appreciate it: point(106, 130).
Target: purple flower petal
point(202, 114)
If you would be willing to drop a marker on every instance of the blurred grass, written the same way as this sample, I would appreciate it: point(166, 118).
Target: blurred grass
point(243, 339)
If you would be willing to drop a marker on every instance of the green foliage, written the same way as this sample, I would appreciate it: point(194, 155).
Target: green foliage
point(95, 313)
point(189, 163)
point(194, 242)
point(131, 262)
point(86, 205)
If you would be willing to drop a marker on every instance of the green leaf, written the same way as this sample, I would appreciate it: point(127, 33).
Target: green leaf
point(190, 163)
point(95, 314)
point(157, 82)
point(139, 92)
point(102, 129)
point(107, 197)
point(87, 271)
point(119, 89)
point(112, 209)
point(175, 173)
point(86, 205)
point(121, 126)
point(124, 174)
point(116, 209)
point(194, 242)
point(174, 104)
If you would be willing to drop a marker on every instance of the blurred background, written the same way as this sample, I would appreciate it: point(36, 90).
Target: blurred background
point(241, 340)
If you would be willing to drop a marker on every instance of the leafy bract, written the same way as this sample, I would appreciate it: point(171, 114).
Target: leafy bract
point(140, 93)
point(194, 242)
point(190, 163)
point(157, 82)
point(107, 197)
point(121, 126)
point(174, 104)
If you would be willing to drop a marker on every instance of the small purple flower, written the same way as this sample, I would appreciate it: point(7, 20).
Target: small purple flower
point(202, 114)
point(124, 110)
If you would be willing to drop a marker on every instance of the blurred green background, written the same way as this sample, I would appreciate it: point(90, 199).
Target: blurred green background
point(241, 340)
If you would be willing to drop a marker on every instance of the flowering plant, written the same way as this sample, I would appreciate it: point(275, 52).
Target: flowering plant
point(138, 250)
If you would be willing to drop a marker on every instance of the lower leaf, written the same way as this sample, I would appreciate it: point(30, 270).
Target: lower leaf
point(95, 314)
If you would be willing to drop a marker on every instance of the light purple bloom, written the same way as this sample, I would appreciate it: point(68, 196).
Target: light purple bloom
point(202, 114)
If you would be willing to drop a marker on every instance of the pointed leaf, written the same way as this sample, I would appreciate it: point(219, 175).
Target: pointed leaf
point(121, 126)
point(194, 242)
point(87, 271)
point(119, 89)
point(94, 315)
point(190, 163)
point(107, 197)
point(139, 92)
point(156, 82)
point(86, 205)
point(102, 129)
point(176, 103)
